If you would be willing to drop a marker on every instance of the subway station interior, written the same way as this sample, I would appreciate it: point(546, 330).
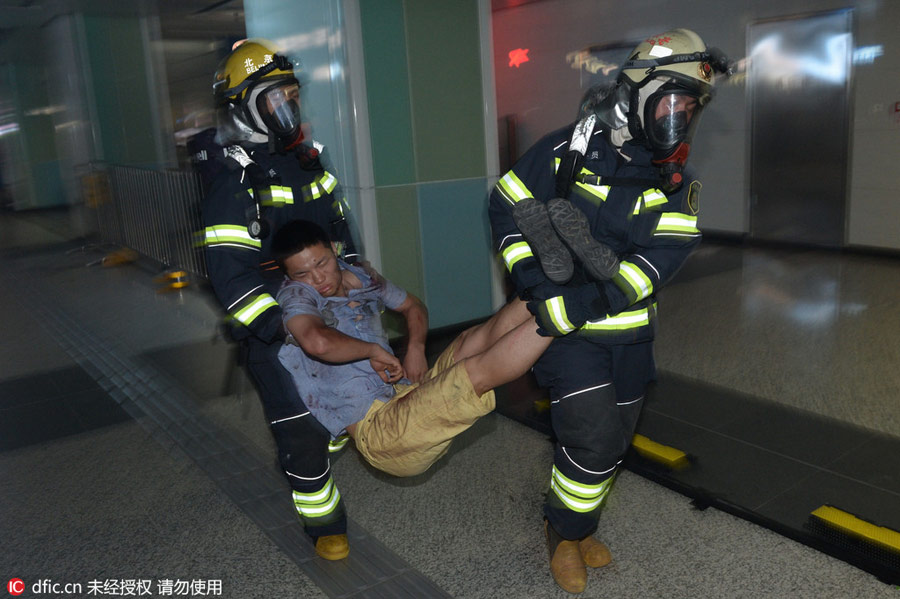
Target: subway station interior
point(134, 453)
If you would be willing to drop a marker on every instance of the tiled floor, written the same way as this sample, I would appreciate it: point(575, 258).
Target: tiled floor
point(132, 449)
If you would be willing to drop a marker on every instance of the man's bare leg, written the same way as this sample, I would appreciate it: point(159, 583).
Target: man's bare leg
point(511, 356)
point(480, 337)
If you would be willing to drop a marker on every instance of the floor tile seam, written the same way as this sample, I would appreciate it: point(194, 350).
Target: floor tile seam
point(394, 580)
point(783, 493)
point(87, 349)
point(47, 397)
point(816, 467)
point(135, 393)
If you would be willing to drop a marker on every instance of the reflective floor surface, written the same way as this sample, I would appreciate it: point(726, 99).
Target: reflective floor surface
point(134, 455)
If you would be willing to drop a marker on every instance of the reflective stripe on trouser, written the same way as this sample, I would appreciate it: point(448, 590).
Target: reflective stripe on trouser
point(301, 441)
point(303, 454)
point(405, 436)
point(596, 396)
point(335, 445)
point(322, 506)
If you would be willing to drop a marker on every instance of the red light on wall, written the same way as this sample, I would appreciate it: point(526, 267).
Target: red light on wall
point(518, 56)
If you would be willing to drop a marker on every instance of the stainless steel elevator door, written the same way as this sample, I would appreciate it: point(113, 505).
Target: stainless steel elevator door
point(799, 89)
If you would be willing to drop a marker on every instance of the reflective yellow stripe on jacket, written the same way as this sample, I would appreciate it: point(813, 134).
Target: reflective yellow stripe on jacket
point(275, 195)
point(253, 307)
point(230, 235)
point(597, 191)
point(515, 252)
point(325, 183)
point(623, 320)
point(512, 189)
point(676, 224)
point(633, 282)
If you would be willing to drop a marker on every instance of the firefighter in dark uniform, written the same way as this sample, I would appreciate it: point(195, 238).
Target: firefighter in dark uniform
point(270, 177)
point(591, 222)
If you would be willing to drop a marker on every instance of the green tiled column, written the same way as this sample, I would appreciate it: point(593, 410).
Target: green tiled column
point(126, 118)
point(425, 100)
point(445, 84)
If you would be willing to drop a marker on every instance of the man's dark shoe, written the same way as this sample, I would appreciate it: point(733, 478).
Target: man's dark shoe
point(566, 563)
point(531, 218)
point(573, 227)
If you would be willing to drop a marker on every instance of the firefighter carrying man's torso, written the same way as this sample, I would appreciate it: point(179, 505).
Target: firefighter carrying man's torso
point(269, 177)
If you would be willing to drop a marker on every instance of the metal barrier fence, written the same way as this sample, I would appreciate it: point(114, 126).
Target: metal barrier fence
point(155, 213)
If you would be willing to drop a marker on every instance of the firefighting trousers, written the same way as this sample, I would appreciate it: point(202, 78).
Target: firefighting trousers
point(596, 394)
point(303, 443)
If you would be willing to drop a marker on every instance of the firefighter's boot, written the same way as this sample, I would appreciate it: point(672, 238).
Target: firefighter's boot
point(333, 547)
point(594, 553)
point(566, 563)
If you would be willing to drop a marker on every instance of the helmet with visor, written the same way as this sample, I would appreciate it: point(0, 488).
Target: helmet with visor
point(258, 97)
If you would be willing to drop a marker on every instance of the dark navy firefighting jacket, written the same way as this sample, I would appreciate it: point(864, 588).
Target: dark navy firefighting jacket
point(652, 232)
point(241, 270)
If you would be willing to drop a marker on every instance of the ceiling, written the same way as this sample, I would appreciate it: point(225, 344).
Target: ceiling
point(179, 19)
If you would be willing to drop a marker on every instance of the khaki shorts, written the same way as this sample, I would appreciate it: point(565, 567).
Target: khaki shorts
point(408, 434)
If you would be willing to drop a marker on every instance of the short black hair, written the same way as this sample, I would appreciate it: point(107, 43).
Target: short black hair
point(294, 237)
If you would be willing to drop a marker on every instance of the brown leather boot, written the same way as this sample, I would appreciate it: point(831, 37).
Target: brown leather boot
point(333, 547)
point(594, 553)
point(566, 563)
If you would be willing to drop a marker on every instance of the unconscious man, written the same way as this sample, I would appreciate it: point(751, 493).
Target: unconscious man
point(348, 376)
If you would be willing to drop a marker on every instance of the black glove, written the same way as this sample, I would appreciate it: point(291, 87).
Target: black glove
point(570, 308)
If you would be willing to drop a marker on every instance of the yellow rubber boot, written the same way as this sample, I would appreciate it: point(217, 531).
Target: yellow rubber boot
point(332, 547)
point(566, 563)
point(594, 553)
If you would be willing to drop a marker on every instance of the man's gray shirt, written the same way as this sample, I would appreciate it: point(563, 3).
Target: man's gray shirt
point(338, 395)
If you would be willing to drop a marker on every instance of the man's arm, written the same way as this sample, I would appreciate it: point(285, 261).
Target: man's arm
point(416, 315)
point(330, 345)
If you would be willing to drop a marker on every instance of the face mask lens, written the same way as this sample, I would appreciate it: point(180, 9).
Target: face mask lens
point(280, 106)
point(672, 118)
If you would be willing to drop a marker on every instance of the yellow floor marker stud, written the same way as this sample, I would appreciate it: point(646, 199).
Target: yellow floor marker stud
point(172, 281)
point(119, 257)
point(849, 524)
point(657, 452)
point(541, 406)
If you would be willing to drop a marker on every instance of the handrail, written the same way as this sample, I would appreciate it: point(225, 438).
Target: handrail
point(155, 213)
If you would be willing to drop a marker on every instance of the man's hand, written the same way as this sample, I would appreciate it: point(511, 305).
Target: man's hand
point(565, 312)
point(385, 364)
point(415, 364)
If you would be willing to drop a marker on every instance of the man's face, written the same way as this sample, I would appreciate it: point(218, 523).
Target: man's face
point(316, 266)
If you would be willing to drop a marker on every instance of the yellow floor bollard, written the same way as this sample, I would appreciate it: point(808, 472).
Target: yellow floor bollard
point(172, 281)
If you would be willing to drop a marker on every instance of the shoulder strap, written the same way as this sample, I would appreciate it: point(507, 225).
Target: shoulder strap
point(603, 180)
point(237, 158)
point(571, 163)
point(570, 166)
